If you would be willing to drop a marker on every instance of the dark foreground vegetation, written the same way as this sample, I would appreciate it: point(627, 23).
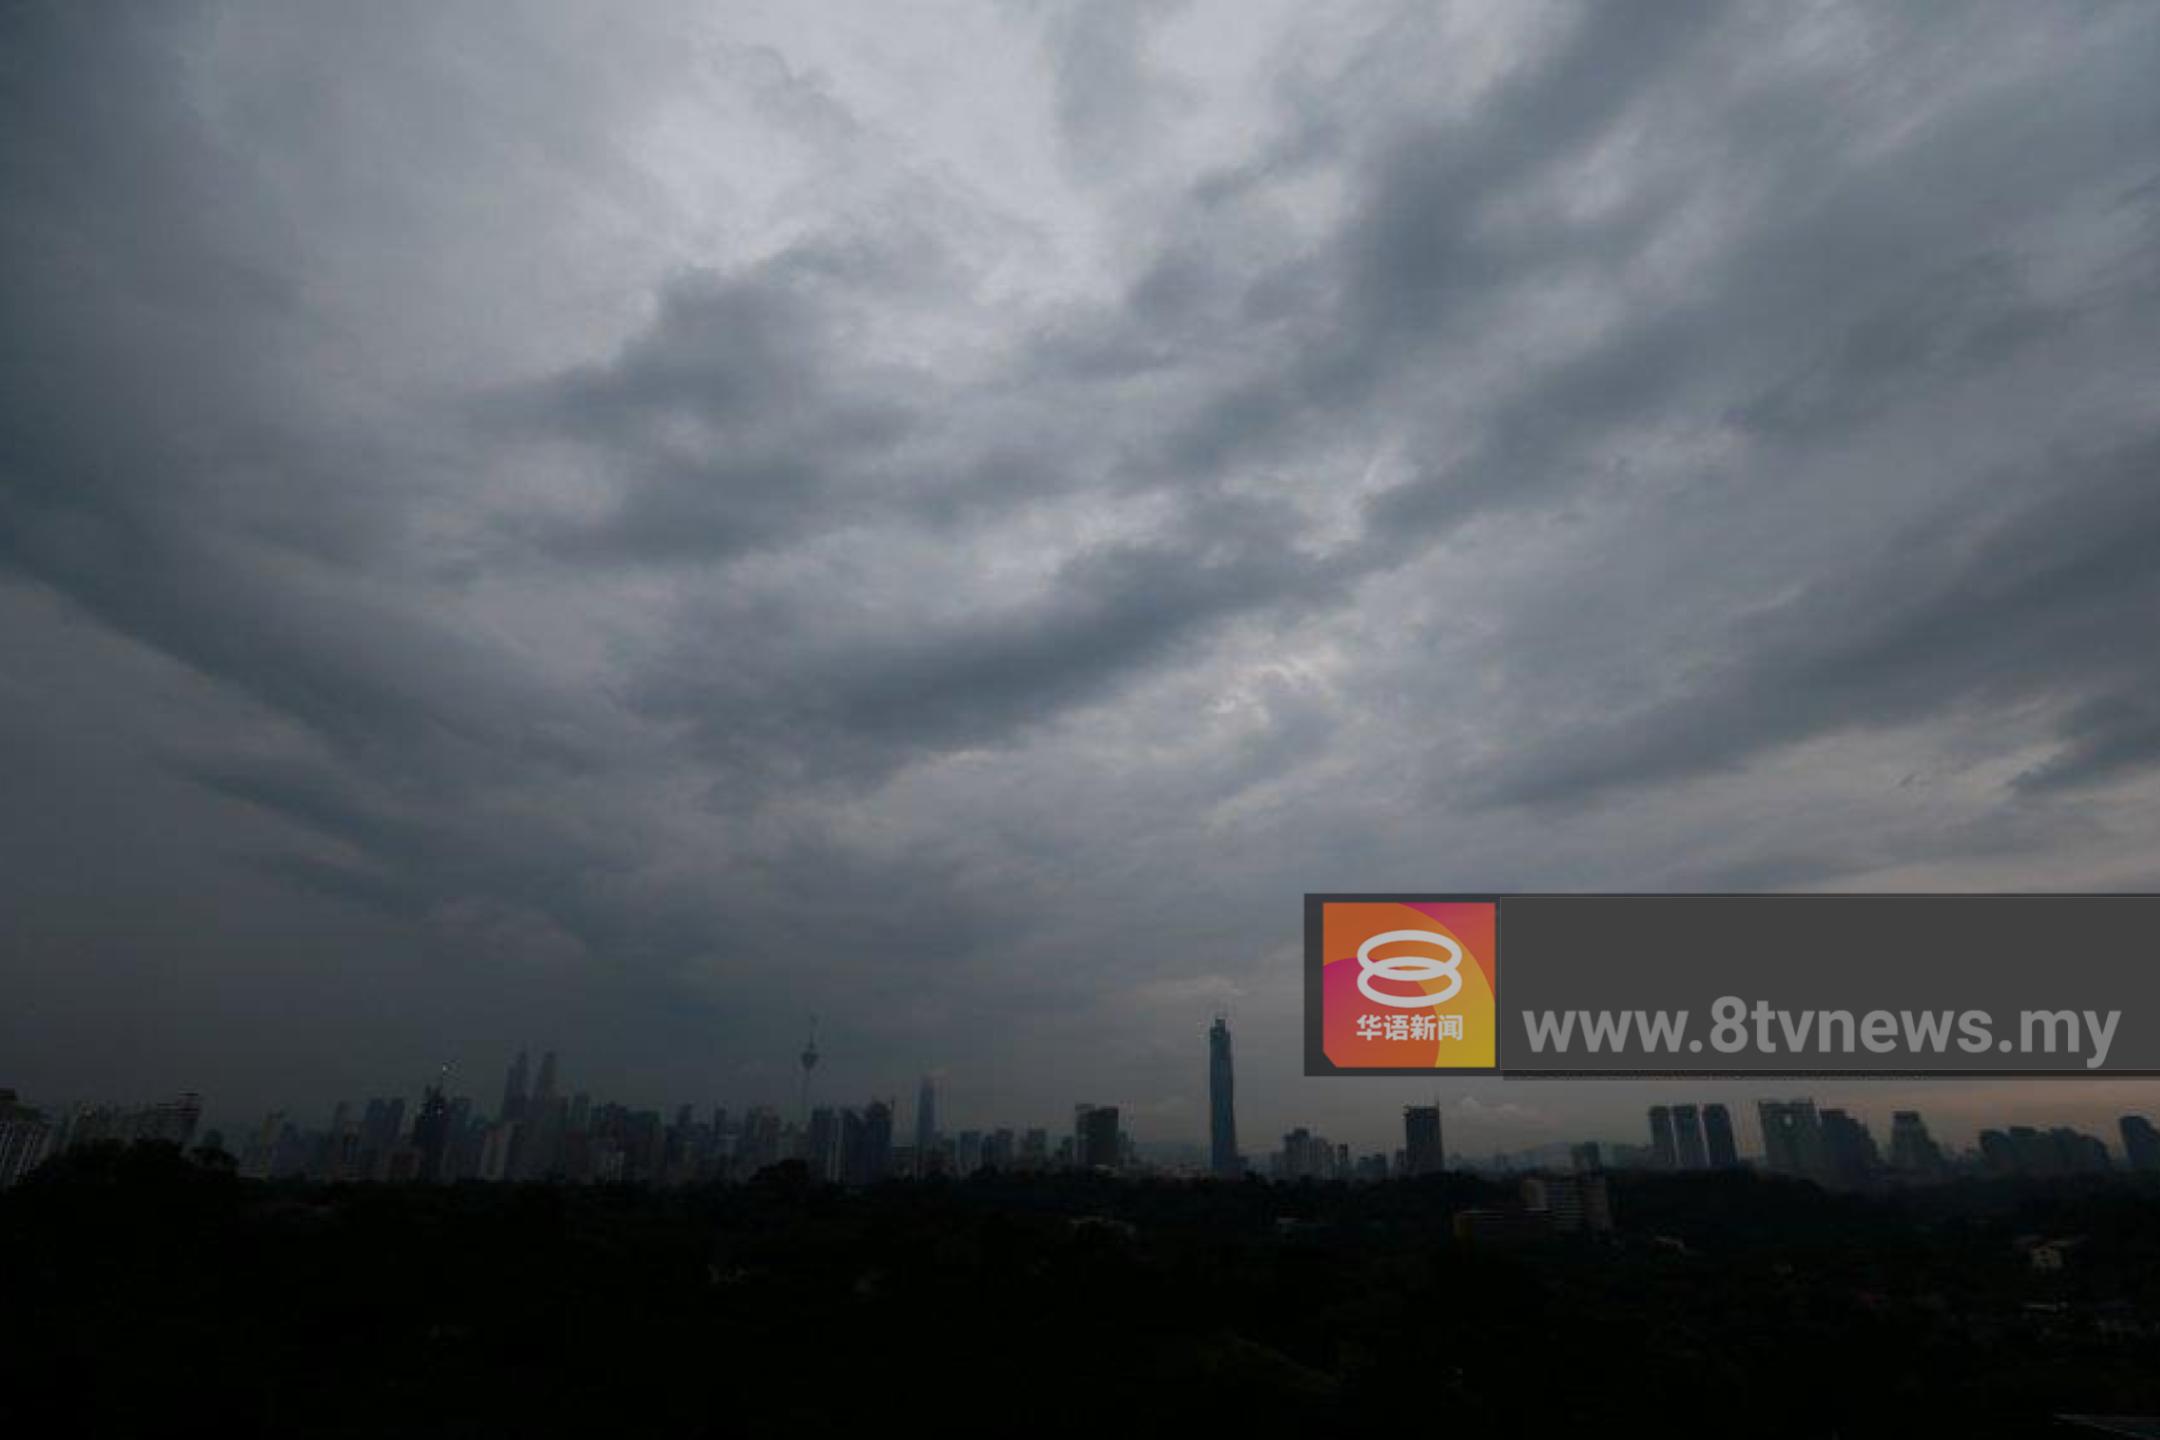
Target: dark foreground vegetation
point(150, 1293)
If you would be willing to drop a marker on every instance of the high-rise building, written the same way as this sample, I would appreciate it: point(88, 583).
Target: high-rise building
point(1095, 1137)
point(1586, 1156)
point(1850, 1158)
point(513, 1102)
point(1662, 1154)
point(380, 1131)
point(866, 1143)
point(537, 1153)
point(2043, 1153)
point(2141, 1143)
point(926, 1129)
point(1222, 1110)
point(1792, 1137)
point(1718, 1138)
point(431, 1135)
point(1422, 1154)
point(821, 1147)
point(1913, 1151)
point(1688, 1138)
point(544, 1087)
point(2082, 1154)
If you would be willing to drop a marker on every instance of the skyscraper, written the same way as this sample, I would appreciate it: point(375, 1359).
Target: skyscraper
point(1095, 1137)
point(926, 1131)
point(513, 1104)
point(1912, 1150)
point(1222, 1110)
point(809, 1059)
point(2141, 1143)
point(821, 1148)
point(1662, 1154)
point(1688, 1137)
point(1792, 1137)
point(1718, 1138)
point(1850, 1158)
point(1422, 1154)
point(431, 1134)
point(866, 1143)
point(544, 1089)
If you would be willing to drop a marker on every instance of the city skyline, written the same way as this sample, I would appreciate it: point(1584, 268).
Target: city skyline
point(537, 1118)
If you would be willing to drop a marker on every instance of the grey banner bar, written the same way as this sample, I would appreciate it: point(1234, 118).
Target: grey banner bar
point(1901, 956)
point(1826, 984)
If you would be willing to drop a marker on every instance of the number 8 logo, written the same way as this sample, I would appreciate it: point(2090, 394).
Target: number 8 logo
point(1410, 968)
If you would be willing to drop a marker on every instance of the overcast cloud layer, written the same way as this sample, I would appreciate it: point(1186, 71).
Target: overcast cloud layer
point(617, 527)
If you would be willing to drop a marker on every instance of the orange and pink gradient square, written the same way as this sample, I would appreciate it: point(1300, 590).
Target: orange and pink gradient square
point(1409, 984)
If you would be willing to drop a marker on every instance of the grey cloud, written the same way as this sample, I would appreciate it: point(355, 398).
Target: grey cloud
point(636, 528)
point(2038, 600)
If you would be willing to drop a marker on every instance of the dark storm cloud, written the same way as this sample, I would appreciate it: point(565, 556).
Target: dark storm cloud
point(2036, 600)
point(633, 529)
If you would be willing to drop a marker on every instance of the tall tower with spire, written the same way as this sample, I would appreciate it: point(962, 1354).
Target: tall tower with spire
point(1222, 1107)
point(809, 1063)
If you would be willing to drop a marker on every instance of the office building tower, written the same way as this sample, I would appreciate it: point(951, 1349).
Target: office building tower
point(2081, 1154)
point(513, 1102)
point(1792, 1137)
point(2141, 1143)
point(1222, 1108)
point(1586, 1156)
point(431, 1135)
point(544, 1087)
point(1688, 1138)
point(1913, 1151)
point(808, 1059)
point(1299, 1158)
point(256, 1156)
point(926, 1127)
point(380, 1131)
point(1662, 1154)
point(1718, 1143)
point(1850, 1158)
point(1422, 1154)
point(878, 1138)
point(1095, 1137)
point(538, 1151)
point(821, 1150)
point(2033, 1153)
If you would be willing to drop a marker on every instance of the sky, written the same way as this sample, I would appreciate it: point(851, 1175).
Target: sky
point(620, 528)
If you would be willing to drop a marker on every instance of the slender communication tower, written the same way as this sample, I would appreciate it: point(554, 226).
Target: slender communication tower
point(809, 1063)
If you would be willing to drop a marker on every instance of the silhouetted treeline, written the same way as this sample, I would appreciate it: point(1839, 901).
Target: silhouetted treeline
point(147, 1292)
